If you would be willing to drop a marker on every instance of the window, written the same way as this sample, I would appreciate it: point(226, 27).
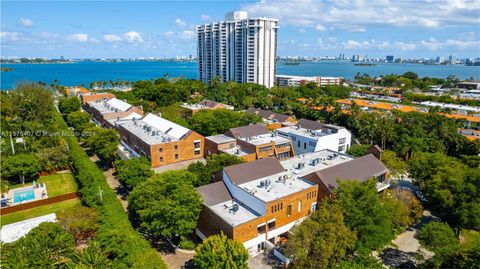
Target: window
point(196, 145)
point(176, 146)
point(314, 207)
point(341, 148)
point(264, 149)
point(311, 143)
point(289, 210)
point(176, 156)
point(160, 149)
point(342, 140)
point(197, 151)
point(161, 159)
point(299, 206)
point(261, 229)
point(271, 225)
point(298, 144)
point(305, 145)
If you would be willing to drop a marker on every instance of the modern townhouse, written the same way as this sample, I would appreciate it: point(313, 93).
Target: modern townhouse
point(258, 202)
point(161, 141)
point(310, 136)
point(106, 112)
point(250, 142)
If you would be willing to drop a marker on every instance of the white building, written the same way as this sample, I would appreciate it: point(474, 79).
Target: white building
point(286, 80)
point(241, 49)
point(311, 136)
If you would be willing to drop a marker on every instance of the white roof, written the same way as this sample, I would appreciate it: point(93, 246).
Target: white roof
point(165, 126)
point(119, 104)
point(13, 232)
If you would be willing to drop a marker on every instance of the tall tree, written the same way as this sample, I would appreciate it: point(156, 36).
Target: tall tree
point(20, 166)
point(322, 240)
point(166, 204)
point(69, 105)
point(134, 171)
point(218, 251)
point(366, 214)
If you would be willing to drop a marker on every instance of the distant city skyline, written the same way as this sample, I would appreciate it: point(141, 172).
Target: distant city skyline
point(126, 29)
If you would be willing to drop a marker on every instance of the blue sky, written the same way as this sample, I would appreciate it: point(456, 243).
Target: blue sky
point(406, 28)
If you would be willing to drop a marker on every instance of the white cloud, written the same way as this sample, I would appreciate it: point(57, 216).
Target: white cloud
point(10, 36)
point(112, 38)
point(301, 30)
point(26, 22)
point(180, 23)
point(205, 17)
point(357, 15)
point(133, 37)
point(78, 37)
point(320, 28)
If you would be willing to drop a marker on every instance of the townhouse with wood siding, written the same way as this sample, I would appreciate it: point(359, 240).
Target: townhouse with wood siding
point(258, 202)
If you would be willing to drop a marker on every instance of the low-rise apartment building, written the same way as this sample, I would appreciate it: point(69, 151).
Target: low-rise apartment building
point(161, 141)
point(250, 142)
point(258, 202)
point(106, 112)
point(286, 80)
point(273, 120)
point(310, 136)
point(91, 97)
point(205, 104)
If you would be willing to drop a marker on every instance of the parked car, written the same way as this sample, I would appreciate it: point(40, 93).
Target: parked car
point(421, 196)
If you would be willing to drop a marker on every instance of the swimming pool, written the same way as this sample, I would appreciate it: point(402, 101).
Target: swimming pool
point(23, 195)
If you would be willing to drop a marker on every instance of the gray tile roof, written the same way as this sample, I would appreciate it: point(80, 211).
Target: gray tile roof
point(310, 124)
point(246, 172)
point(361, 169)
point(214, 193)
point(267, 114)
point(247, 131)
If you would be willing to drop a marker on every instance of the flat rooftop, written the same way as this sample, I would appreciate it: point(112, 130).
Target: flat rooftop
point(315, 134)
point(237, 150)
point(266, 138)
point(145, 132)
point(290, 181)
point(234, 215)
point(221, 139)
point(110, 106)
point(324, 159)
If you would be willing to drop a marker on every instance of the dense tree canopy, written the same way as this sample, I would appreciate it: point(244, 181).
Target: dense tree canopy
point(218, 121)
point(78, 120)
point(166, 204)
point(69, 104)
point(366, 213)
point(20, 167)
point(103, 142)
point(321, 240)
point(218, 251)
point(438, 237)
point(452, 188)
point(133, 171)
point(46, 246)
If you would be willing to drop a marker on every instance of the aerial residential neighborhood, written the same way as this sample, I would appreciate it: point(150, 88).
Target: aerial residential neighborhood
point(252, 147)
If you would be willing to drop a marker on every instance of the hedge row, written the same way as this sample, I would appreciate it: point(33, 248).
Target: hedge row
point(125, 247)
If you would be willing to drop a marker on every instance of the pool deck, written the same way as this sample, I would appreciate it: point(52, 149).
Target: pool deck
point(38, 194)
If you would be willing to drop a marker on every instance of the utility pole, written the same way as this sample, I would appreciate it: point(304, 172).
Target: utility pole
point(11, 142)
point(100, 192)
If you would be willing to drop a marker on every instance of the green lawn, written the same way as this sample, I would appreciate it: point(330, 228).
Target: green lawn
point(57, 184)
point(469, 237)
point(37, 211)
